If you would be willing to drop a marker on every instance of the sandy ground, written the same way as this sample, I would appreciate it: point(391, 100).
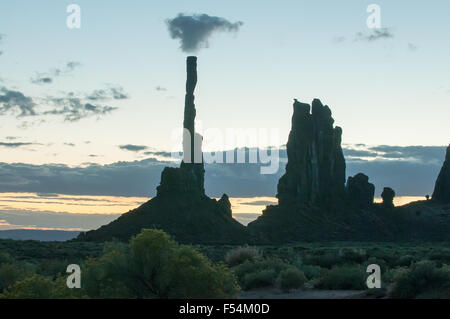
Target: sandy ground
point(272, 293)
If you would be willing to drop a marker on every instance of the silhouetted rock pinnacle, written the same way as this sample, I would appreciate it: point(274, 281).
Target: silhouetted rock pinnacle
point(360, 191)
point(442, 188)
point(315, 172)
point(189, 178)
point(388, 195)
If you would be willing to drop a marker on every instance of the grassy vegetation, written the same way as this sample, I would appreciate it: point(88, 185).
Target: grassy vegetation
point(32, 269)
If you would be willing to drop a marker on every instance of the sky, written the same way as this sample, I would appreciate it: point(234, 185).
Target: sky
point(93, 111)
point(390, 91)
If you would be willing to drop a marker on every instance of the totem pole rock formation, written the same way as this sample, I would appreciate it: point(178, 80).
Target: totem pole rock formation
point(315, 172)
point(442, 188)
point(189, 178)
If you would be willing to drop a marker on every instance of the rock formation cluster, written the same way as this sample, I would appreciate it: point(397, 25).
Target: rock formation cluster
point(315, 203)
point(315, 172)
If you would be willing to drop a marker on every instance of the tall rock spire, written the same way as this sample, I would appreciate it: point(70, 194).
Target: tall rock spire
point(190, 111)
point(315, 172)
point(442, 188)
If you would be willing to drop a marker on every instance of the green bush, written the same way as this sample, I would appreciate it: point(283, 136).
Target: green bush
point(259, 279)
point(311, 271)
point(240, 255)
point(343, 277)
point(38, 287)
point(421, 278)
point(406, 260)
point(325, 260)
point(291, 278)
point(353, 255)
point(13, 272)
point(155, 266)
point(259, 273)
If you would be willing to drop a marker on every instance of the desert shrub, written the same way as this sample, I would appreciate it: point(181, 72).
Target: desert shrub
point(5, 258)
point(240, 255)
point(326, 260)
point(353, 255)
point(258, 279)
point(387, 254)
point(311, 271)
point(377, 261)
point(155, 266)
point(291, 278)
point(38, 287)
point(440, 256)
point(406, 260)
point(10, 273)
point(53, 267)
point(343, 277)
point(420, 278)
point(259, 273)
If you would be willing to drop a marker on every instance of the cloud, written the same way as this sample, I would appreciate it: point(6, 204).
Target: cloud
point(374, 35)
point(16, 102)
point(260, 203)
point(195, 30)
point(112, 93)
point(15, 145)
point(47, 77)
point(74, 109)
point(409, 170)
point(412, 47)
point(42, 80)
point(133, 148)
point(14, 219)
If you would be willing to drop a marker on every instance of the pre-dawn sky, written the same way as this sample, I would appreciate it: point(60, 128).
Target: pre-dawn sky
point(128, 73)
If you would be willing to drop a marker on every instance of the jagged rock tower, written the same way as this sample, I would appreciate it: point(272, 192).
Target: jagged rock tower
point(442, 188)
point(315, 172)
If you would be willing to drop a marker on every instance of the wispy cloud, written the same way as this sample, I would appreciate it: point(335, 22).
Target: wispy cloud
point(16, 102)
point(133, 148)
point(374, 35)
point(15, 145)
point(47, 77)
point(412, 47)
point(111, 93)
point(74, 109)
